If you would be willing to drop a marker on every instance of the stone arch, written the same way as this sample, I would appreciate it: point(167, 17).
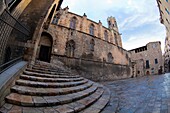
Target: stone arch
point(73, 22)
point(46, 43)
point(50, 16)
point(147, 73)
point(70, 47)
point(110, 57)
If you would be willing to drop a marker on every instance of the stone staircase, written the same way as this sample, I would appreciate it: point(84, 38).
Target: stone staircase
point(48, 89)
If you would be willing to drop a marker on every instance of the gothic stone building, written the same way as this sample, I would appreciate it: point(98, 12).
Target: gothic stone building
point(164, 9)
point(85, 45)
point(147, 59)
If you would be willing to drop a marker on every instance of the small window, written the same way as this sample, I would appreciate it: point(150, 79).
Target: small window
point(55, 20)
point(147, 64)
point(156, 61)
point(91, 29)
point(109, 23)
point(110, 57)
point(167, 11)
point(73, 23)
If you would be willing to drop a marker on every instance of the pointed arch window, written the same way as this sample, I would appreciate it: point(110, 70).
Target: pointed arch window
point(91, 29)
point(55, 20)
point(106, 35)
point(92, 44)
point(70, 47)
point(110, 57)
point(73, 23)
point(116, 42)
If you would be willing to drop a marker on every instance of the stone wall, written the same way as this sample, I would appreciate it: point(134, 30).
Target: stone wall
point(95, 70)
point(61, 35)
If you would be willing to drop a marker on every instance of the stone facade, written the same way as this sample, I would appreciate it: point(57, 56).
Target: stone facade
point(148, 59)
point(84, 45)
point(164, 8)
point(102, 45)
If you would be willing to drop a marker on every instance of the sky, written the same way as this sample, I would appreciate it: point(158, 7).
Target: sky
point(138, 20)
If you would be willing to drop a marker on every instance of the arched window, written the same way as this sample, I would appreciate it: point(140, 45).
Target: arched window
point(106, 35)
point(116, 42)
point(55, 20)
point(70, 47)
point(91, 29)
point(110, 57)
point(73, 23)
point(111, 39)
point(92, 43)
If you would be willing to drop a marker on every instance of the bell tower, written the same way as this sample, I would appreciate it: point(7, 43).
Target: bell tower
point(112, 24)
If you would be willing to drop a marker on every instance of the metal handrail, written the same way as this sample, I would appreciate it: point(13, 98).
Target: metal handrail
point(13, 27)
point(17, 21)
point(10, 63)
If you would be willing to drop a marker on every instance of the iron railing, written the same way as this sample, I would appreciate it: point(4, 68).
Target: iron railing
point(13, 37)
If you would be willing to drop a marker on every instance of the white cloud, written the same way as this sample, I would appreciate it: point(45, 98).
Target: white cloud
point(142, 39)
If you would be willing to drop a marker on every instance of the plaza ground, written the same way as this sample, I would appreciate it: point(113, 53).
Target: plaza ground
point(148, 94)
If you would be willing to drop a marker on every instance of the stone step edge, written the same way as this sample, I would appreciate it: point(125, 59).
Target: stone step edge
point(46, 79)
point(49, 69)
point(48, 75)
point(101, 103)
point(49, 85)
point(89, 100)
point(47, 104)
point(33, 93)
point(46, 72)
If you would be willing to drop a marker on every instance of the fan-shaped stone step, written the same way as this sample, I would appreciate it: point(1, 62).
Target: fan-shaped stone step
point(100, 104)
point(49, 84)
point(49, 91)
point(27, 100)
point(49, 75)
point(73, 107)
point(81, 104)
point(48, 69)
point(47, 72)
point(46, 79)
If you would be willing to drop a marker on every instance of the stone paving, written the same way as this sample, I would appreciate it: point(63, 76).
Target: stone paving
point(148, 94)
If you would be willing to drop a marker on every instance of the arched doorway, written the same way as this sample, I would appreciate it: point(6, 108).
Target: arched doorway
point(45, 47)
point(147, 73)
